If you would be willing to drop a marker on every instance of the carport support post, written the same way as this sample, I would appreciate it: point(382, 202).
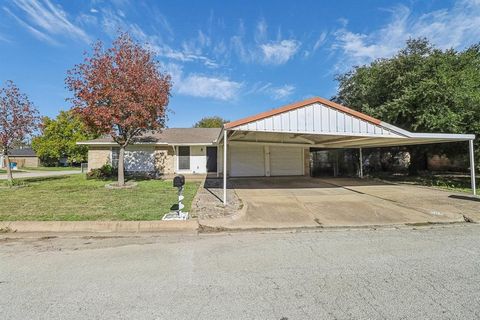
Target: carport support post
point(472, 168)
point(361, 162)
point(225, 167)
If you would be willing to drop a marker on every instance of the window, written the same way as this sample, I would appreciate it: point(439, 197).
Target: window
point(115, 152)
point(184, 158)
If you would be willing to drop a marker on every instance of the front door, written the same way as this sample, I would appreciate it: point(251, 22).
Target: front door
point(211, 159)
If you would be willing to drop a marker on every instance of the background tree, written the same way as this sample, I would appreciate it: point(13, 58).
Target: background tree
point(121, 92)
point(210, 122)
point(59, 137)
point(18, 120)
point(422, 89)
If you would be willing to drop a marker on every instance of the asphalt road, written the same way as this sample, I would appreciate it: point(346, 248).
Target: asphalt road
point(429, 273)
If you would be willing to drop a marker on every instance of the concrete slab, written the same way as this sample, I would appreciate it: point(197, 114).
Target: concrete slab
point(292, 202)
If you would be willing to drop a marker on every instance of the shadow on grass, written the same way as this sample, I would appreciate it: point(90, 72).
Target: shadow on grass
point(42, 179)
point(468, 198)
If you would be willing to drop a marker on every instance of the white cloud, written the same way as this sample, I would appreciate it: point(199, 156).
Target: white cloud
point(209, 87)
point(279, 52)
point(446, 28)
point(283, 92)
point(44, 19)
point(262, 50)
point(277, 93)
point(320, 41)
point(197, 85)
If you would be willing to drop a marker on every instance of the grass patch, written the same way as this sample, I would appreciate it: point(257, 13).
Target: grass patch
point(51, 168)
point(5, 171)
point(449, 181)
point(74, 198)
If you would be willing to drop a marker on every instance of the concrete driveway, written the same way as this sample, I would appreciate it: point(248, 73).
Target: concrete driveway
point(312, 202)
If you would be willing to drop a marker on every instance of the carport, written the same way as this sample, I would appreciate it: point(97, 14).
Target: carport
point(277, 142)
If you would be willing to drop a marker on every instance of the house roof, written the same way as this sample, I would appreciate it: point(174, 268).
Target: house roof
point(22, 152)
point(298, 105)
point(169, 136)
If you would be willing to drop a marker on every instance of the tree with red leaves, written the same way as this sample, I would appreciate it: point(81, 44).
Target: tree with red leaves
point(120, 92)
point(18, 120)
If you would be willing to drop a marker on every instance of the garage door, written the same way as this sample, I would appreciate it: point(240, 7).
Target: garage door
point(139, 160)
point(247, 161)
point(286, 161)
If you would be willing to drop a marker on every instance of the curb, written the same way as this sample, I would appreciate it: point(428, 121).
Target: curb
point(100, 226)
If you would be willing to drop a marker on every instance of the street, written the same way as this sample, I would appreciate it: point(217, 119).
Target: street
point(409, 273)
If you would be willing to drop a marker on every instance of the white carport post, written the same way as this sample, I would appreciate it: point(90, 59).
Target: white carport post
point(361, 162)
point(225, 167)
point(472, 168)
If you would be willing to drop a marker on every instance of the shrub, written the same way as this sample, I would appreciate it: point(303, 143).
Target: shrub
point(103, 173)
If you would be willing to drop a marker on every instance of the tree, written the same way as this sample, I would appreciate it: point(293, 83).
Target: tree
point(120, 92)
point(210, 122)
point(59, 139)
point(421, 88)
point(18, 120)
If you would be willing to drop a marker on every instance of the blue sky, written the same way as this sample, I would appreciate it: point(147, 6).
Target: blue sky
point(227, 58)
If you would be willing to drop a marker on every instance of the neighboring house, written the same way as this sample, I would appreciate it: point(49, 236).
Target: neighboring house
point(23, 157)
point(272, 143)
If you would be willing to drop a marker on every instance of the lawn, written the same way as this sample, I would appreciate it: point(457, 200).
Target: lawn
point(51, 168)
point(76, 198)
point(5, 171)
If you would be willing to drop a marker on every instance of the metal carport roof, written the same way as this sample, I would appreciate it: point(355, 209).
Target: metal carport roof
point(318, 122)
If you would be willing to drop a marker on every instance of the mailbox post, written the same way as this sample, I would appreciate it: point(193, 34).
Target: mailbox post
point(178, 182)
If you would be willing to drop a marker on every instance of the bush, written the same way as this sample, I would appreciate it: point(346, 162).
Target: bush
point(104, 173)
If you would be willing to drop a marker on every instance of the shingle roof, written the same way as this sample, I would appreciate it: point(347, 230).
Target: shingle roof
point(23, 152)
point(171, 136)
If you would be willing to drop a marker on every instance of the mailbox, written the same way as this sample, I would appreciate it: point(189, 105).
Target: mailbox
point(179, 181)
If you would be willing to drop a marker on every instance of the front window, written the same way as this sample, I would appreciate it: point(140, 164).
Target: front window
point(115, 152)
point(184, 158)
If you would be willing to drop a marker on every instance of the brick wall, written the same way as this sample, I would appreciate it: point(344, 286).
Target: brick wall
point(97, 157)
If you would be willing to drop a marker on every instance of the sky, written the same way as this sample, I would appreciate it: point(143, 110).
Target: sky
point(226, 58)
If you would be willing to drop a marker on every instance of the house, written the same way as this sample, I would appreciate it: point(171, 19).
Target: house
point(170, 151)
point(273, 143)
point(23, 157)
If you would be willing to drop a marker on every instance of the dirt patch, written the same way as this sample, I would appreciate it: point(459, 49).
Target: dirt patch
point(208, 203)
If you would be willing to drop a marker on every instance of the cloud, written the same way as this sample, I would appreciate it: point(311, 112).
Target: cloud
point(44, 20)
point(279, 52)
point(209, 87)
point(456, 27)
point(203, 86)
point(277, 93)
point(262, 50)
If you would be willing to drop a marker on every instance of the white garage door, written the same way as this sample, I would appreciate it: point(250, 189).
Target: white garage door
point(286, 161)
point(139, 160)
point(247, 161)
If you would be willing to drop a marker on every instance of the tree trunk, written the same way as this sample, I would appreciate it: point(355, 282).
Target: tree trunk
point(9, 169)
point(418, 159)
point(121, 166)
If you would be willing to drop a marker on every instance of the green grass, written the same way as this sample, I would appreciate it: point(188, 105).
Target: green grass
point(5, 171)
point(454, 182)
point(51, 168)
point(74, 197)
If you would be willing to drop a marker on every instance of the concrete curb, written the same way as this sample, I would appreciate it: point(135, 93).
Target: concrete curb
point(100, 226)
